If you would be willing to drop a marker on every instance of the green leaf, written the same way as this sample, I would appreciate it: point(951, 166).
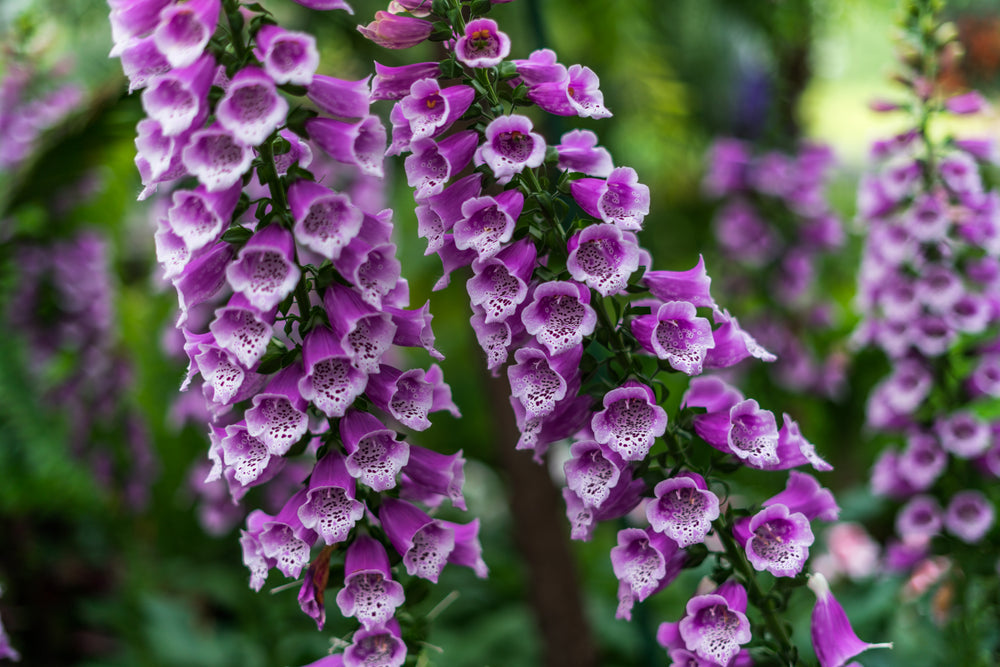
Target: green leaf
point(237, 235)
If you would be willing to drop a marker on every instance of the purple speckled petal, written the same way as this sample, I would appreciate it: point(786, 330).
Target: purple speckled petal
point(630, 422)
point(603, 257)
point(424, 543)
point(340, 98)
point(199, 217)
point(374, 455)
point(330, 507)
point(593, 471)
point(251, 108)
point(753, 435)
point(369, 593)
point(331, 382)
point(288, 56)
point(560, 315)
point(579, 152)
point(278, 417)
point(779, 541)
point(713, 629)
point(184, 30)
point(482, 45)
point(381, 646)
point(216, 158)
point(265, 271)
point(178, 99)
point(684, 509)
point(361, 144)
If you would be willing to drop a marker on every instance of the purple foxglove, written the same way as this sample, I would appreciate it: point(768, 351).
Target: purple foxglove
point(132, 18)
point(964, 435)
point(339, 97)
point(284, 538)
point(571, 415)
point(369, 261)
point(432, 164)
point(394, 83)
point(179, 98)
point(396, 32)
point(424, 543)
point(630, 422)
point(430, 110)
point(715, 625)
point(363, 332)
point(927, 219)
point(922, 516)
point(559, 315)
point(216, 158)
point(265, 271)
point(644, 562)
point(577, 94)
point(202, 278)
point(579, 152)
point(253, 552)
point(804, 495)
point(960, 173)
point(921, 462)
point(677, 334)
point(247, 456)
point(482, 45)
point(326, 5)
point(620, 200)
point(413, 328)
point(331, 382)
point(251, 108)
point(500, 283)
point(452, 258)
point(728, 163)
point(753, 434)
point(885, 477)
point(298, 152)
point(742, 234)
point(623, 498)
point(538, 381)
point(833, 638)
point(401, 132)
point(288, 56)
point(329, 507)
point(439, 213)
point(468, 552)
point(278, 417)
point(313, 590)
point(199, 217)
point(794, 450)
point(494, 338)
point(717, 398)
point(985, 379)
point(142, 62)
point(969, 516)
point(593, 471)
point(691, 285)
point(361, 144)
point(171, 253)
point(970, 313)
point(378, 647)
point(603, 258)
point(184, 30)
point(488, 222)
point(429, 477)
point(410, 395)
point(158, 155)
point(369, 593)
point(240, 329)
point(540, 67)
point(733, 344)
point(510, 147)
point(224, 377)
point(779, 541)
point(325, 221)
point(373, 454)
point(684, 509)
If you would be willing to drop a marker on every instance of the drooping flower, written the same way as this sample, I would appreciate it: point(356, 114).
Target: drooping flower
point(251, 108)
point(603, 257)
point(630, 422)
point(620, 199)
point(330, 507)
point(510, 147)
point(677, 334)
point(715, 625)
point(482, 45)
point(833, 638)
point(644, 562)
point(779, 541)
point(396, 32)
point(683, 509)
point(369, 593)
point(559, 315)
point(969, 516)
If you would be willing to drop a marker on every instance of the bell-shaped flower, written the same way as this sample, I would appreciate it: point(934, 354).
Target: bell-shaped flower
point(278, 417)
point(510, 147)
point(539, 381)
point(409, 396)
point(593, 471)
point(158, 157)
point(921, 516)
point(960, 173)
point(684, 509)
point(630, 421)
point(833, 638)
point(393, 31)
point(179, 98)
point(369, 261)
point(488, 222)
point(579, 152)
point(559, 315)
point(413, 328)
point(537, 433)
point(132, 18)
point(804, 494)
point(216, 158)
point(733, 344)
point(717, 398)
point(288, 56)
point(921, 462)
point(286, 540)
point(171, 253)
point(438, 214)
point(500, 283)
point(963, 434)
point(330, 507)
point(325, 5)
point(715, 625)
point(251, 109)
point(379, 647)
point(225, 381)
point(245, 455)
point(622, 499)
point(429, 477)
point(199, 217)
point(253, 553)
point(242, 330)
point(339, 97)
point(691, 285)
point(620, 199)
point(202, 278)
point(779, 541)
point(432, 164)
point(394, 83)
point(494, 338)
point(482, 45)
point(644, 562)
point(540, 67)
point(753, 434)
point(603, 258)
point(142, 62)
point(265, 271)
point(361, 144)
point(373, 454)
point(430, 110)
point(369, 593)
point(794, 450)
point(331, 382)
point(364, 333)
point(184, 30)
point(325, 221)
point(576, 94)
point(677, 334)
point(452, 258)
point(424, 543)
point(969, 516)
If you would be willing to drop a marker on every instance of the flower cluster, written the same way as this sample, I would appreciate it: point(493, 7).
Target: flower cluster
point(293, 309)
point(548, 237)
point(928, 296)
point(776, 226)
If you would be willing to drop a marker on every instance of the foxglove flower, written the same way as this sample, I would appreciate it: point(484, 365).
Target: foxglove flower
point(394, 83)
point(779, 541)
point(575, 93)
point(691, 285)
point(396, 32)
point(278, 417)
point(361, 144)
point(630, 422)
point(538, 381)
point(373, 454)
point(482, 45)
point(325, 221)
point(331, 381)
point(242, 330)
point(593, 471)
point(216, 158)
point(804, 495)
point(329, 507)
point(644, 562)
point(715, 625)
point(432, 164)
point(684, 509)
point(337, 97)
point(559, 315)
point(430, 110)
point(620, 199)
point(265, 271)
point(288, 56)
point(510, 147)
point(676, 333)
point(579, 152)
point(753, 434)
point(969, 516)
point(378, 647)
point(488, 222)
point(500, 283)
point(429, 477)
point(199, 217)
point(369, 593)
point(921, 516)
point(833, 638)
point(251, 108)
point(424, 543)
point(284, 538)
point(179, 98)
point(603, 258)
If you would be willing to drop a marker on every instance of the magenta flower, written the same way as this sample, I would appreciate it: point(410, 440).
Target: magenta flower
point(593, 471)
point(579, 152)
point(178, 99)
point(753, 434)
point(920, 517)
point(284, 538)
point(644, 562)
point(833, 638)
point(239, 328)
point(184, 30)
point(288, 56)
point(430, 110)
point(969, 516)
point(619, 200)
point(424, 543)
point(331, 381)
point(373, 454)
point(510, 147)
point(394, 83)
point(603, 257)
point(330, 507)
point(684, 509)
point(251, 108)
point(482, 45)
point(369, 593)
point(265, 271)
point(216, 158)
point(677, 334)
point(396, 32)
point(488, 222)
point(199, 217)
point(577, 93)
point(715, 625)
point(432, 164)
point(325, 221)
point(429, 477)
point(500, 283)
point(361, 144)
point(540, 382)
point(378, 647)
point(803, 494)
point(691, 285)
point(364, 333)
point(339, 97)
point(779, 541)
point(559, 315)
point(630, 422)
point(278, 417)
